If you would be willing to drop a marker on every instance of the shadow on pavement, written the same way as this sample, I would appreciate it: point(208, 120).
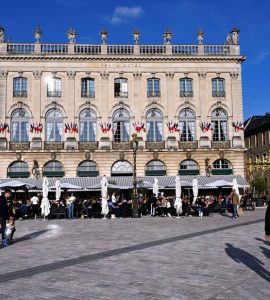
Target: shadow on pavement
point(266, 252)
point(264, 241)
point(252, 262)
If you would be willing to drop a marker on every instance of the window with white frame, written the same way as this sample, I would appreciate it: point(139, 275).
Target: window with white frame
point(221, 164)
point(219, 122)
point(187, 127)
point(121, 87)
point(54, 87)
point(154, 125)
point(218, 87)
point(121, 125)
point(54, 126)
point(53, 168)
point(153, 87)
point(18, 169)
point(88, 125)
point(20, 125)
point(88, 87)
point(188, 167)
point(155, 168)
point(87, 168)
point(20, 87)
point(186, 87)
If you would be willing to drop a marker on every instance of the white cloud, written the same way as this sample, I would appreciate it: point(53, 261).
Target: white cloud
point(72, 3)
point(261, 57)
point(123, 14)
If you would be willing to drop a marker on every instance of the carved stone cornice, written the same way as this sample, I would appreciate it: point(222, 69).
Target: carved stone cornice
point(104, 75)
point(234, 74)
point(137, 75)
point(3, 74)
point(170, 75)
point(71, 74)
point(37, 74)
point(202, 75)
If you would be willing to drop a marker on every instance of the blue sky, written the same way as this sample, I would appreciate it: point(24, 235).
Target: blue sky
point(184, 17)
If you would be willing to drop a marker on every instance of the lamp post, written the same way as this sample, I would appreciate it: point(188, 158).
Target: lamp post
point(135, 204)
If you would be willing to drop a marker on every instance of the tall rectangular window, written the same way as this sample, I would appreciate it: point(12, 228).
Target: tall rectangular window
point(88, 88)
point(186, 89)
point(20, 87)
point(54, 88)
point(218, 87)
point(153, 87)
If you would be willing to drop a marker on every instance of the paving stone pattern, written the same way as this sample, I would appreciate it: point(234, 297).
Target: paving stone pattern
point(147, 258)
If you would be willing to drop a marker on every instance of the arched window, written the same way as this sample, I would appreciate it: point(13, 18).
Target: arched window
point(53, 168)
point(153, 87)
point(219, 122)
point(121, 130)
point(20, 87)
point(121, 88)
point(20, 125)
point(87, 168)
point(122, 168)
point(155, 168)
point(188, 167)
point(54, 87)
point(187, 125)
point(54, 125)
point(154, 125)
point(186, 87)
point(222, 167)
point(18, 169)
point(88, 87)
point(218, 87)
point(88, 125)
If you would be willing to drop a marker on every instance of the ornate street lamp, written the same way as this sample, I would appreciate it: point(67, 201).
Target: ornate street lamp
point(135, 204)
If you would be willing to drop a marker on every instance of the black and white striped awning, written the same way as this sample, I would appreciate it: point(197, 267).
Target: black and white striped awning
point(126, 182)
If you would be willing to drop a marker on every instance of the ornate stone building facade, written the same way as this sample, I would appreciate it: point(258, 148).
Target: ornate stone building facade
point(257, 141)
point(70, 109)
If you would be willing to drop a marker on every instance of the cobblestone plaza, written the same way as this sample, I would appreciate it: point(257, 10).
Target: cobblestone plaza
point(148, 258)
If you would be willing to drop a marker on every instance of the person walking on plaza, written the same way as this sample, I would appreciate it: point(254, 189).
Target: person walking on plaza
point(70, 206)
point(267, 222)
point(35, 205)
point(4, 211)
point(235, 202)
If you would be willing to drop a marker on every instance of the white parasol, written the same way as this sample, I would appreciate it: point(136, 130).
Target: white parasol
point(45, 204)
point(235, 186)
point(104, 196)
point(178, 200)
point(195, 189)
point(57, 190)
point(155, 187)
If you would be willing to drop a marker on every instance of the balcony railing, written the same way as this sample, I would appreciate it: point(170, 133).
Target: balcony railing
point(216, 49)
point(54, 93)
point(21, 146)
point(131, 49)
point(185, 49)
point(87, 49)
point(87, 145)
point(53, 145)
point(120, 49)
point(121, 94)
point(20, 48)
point(186, 93)
point(218, 94)
point(152, 49)
point(220, 144)
point(19, 94)
point(88, 94)
point(155, 145)
point(54, 49)
point(188, 145)
point(153, 94)
point(121, 145)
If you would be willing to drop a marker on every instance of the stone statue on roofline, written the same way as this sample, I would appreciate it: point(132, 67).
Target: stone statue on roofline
point(233, 37)
point(71, 35)
point(2, 34)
